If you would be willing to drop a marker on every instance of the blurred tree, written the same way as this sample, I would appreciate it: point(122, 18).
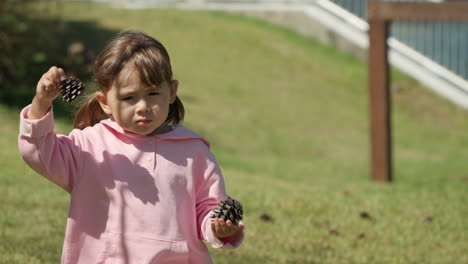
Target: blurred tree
point(28, 44)
point(32, 39)
point(20, 39)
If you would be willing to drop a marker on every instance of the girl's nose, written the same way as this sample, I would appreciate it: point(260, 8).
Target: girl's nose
point(142, 106)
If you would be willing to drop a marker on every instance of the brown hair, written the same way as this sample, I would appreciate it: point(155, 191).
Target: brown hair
point(149, 58)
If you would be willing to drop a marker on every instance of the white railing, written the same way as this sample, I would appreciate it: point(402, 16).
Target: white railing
point(343, 23)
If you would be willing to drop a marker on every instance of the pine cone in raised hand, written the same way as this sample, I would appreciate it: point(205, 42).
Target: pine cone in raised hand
point(71, 88)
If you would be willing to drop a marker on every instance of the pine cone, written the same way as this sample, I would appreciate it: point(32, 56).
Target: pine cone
point(229, 209)
point(71, 88)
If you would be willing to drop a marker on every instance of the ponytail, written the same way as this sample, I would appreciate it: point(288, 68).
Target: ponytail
point(176, 112)
point(89, 114)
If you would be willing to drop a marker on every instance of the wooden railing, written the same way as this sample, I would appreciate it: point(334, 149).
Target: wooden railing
point(380, 15)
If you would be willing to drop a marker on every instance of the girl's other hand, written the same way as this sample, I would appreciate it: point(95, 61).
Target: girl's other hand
point(222, 229)
point(46, 91)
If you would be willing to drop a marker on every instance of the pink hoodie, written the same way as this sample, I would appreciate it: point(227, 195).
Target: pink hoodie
point(134, 199)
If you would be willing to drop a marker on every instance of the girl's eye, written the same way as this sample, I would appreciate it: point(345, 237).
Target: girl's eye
point(153, 93)
point(128, 98)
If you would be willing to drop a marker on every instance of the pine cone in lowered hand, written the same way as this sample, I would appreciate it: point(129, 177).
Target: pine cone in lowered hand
point(229, 209)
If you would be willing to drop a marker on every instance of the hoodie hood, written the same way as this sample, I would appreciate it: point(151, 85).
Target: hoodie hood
point(180, 132)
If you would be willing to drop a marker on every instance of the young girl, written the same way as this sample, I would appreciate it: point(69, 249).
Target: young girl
point(142, 185)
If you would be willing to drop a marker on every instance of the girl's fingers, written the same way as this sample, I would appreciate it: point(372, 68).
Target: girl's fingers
point(217, 228)
point(40, 84)
point(47, 84)
point(224, 228)
point(232, 227)
point(62, 75)
point(54, 74)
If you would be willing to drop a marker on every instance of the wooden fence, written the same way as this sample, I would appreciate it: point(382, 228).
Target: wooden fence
point(380, 15)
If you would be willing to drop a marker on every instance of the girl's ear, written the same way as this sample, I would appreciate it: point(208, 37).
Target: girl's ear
point(173, 90)
point(101, 97)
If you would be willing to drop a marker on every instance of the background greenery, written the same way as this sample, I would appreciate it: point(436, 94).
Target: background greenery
point(288, 122)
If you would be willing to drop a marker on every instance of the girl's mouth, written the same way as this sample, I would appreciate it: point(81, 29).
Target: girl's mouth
point(143, 122)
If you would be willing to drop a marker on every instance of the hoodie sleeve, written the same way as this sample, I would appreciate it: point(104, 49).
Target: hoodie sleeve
point(55, 157)
point(209, 193)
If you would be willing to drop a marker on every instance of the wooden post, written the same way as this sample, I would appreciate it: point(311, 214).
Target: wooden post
point(380, 122)
point(380, 14)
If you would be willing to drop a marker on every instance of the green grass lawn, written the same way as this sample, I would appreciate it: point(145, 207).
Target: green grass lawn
point(288, 122)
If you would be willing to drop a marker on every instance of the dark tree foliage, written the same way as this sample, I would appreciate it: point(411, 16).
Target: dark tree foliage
point(23, 37)
point(31, 40)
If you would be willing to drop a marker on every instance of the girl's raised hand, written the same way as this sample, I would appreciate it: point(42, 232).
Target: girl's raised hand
point(48, 86)
point(222, 229)
point(46, 91)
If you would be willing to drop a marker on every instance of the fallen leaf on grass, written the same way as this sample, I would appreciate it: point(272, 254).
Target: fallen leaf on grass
point(266, 218)
point(366, 215)
point(333, 231)
point(361, 236)
point(428, 219)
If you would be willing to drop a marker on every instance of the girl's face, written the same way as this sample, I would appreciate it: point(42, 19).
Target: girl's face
point(137, 108)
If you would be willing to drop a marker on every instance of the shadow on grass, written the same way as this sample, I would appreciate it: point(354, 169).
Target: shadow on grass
point(90, 38)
